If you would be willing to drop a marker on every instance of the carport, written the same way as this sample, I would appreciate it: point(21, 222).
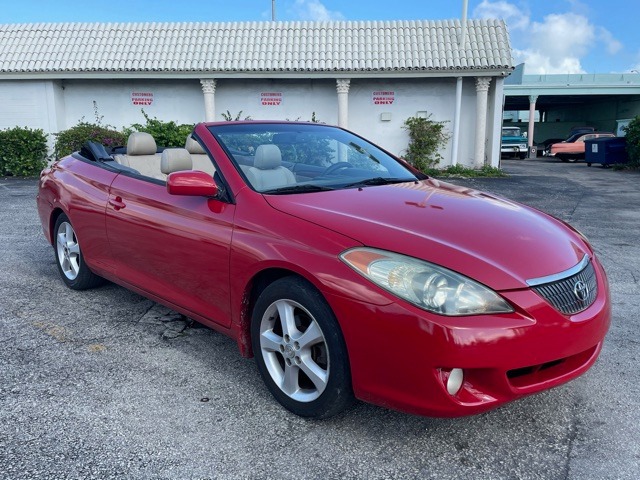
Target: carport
point(557, 103)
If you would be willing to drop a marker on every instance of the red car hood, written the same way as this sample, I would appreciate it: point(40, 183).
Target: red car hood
point(490, 239)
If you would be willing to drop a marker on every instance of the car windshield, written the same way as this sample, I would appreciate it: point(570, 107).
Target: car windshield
point(511, 132)
point(287, 158)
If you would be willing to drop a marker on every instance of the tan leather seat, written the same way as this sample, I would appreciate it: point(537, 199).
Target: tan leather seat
point(175, 160)
point(267, 171)
point(141, 155)
point(199, 157)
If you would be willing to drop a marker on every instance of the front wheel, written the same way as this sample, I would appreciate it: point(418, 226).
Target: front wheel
point(299, 349)
point(74, 271)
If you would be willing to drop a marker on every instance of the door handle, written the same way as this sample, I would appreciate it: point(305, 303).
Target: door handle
point(117, 203)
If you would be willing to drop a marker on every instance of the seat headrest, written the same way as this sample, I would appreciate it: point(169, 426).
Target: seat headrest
point(267, 157)
point(174, 160)
point(193, 147)
point(141, 143)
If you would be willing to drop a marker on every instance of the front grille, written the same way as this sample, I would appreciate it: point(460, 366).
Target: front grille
point(534, 376)
point(562, 293)
point(519, 372)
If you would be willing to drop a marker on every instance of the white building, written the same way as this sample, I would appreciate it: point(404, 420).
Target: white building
point(366, 76)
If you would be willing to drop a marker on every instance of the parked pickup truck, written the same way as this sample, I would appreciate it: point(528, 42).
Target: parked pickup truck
point(513, 142)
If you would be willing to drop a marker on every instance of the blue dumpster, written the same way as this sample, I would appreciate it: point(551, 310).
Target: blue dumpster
point(606, 151)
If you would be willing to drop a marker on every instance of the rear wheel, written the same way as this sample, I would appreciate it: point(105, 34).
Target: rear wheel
point(299, 349)
point(74, 271)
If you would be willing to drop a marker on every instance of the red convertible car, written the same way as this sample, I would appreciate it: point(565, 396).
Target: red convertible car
point(345, 272)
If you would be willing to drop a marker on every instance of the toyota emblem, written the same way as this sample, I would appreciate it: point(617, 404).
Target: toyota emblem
point(581, 290)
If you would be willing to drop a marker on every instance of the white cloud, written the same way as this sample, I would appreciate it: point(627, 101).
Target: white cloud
point(558, 43)
point(612, 45)
point(538, 63)
point(580, 7)
point(514, 17)
point(314, 10)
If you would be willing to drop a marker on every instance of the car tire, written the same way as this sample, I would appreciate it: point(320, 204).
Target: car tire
point(522, 156)
point(299, 349)
point(71, 265)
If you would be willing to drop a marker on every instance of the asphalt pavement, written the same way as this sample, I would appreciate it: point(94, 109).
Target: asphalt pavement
point(107, 384)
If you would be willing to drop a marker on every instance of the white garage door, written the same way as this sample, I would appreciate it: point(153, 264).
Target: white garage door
point(24, 104)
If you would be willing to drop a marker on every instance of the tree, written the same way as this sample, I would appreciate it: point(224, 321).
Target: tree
point(633, 141)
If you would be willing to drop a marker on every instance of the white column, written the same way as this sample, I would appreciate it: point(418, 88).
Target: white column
point(482, 93)
point(532, 120)
point(342, 87)
point(494, 123)
point(209, 91)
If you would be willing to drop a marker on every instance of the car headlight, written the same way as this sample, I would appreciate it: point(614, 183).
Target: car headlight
point(426, 285)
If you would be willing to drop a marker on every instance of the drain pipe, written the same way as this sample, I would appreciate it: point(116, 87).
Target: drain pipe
point(456, 122)
point(458, 107)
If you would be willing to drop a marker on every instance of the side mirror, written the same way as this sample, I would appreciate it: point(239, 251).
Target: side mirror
point(192, 183)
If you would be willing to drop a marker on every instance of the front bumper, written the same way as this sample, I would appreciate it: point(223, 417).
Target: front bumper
point(401, 356)
point(513, 149)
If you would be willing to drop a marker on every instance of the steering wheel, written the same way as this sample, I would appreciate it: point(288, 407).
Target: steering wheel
point(336, 167)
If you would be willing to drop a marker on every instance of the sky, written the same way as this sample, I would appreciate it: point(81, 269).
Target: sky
point(549, 36)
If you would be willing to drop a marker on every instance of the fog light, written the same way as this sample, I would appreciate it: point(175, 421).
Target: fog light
point(454, 382)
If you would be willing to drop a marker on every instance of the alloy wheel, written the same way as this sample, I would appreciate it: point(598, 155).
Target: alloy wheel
point(68, 250)
point(294, 350)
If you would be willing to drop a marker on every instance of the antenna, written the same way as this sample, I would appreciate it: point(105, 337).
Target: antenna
point(463, 24)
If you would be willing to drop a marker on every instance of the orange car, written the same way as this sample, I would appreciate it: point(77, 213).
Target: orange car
point(572, 149)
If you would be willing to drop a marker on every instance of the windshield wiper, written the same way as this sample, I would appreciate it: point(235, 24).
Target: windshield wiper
point(377, 181)
point(298, 189)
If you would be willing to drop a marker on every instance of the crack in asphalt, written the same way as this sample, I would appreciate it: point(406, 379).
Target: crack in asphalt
point(576, 205)
point(140, 317)
point(571, 438)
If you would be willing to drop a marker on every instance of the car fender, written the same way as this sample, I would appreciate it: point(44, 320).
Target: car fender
point(258, 253)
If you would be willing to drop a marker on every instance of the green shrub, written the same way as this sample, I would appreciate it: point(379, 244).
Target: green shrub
point(166, 134)
point(230, 118)
point(633, 141)
point(72, 139)
point(23, 151)
point(426, 137)
point(462, 171)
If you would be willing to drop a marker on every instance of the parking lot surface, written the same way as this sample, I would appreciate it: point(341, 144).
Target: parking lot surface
point(106, 384)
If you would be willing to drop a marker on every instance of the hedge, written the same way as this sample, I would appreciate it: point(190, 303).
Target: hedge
point(23, 151)
point(166, 134)
point(72, 139)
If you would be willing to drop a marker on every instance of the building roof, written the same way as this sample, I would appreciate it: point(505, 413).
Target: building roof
point(69, 49)
point(554, 90)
